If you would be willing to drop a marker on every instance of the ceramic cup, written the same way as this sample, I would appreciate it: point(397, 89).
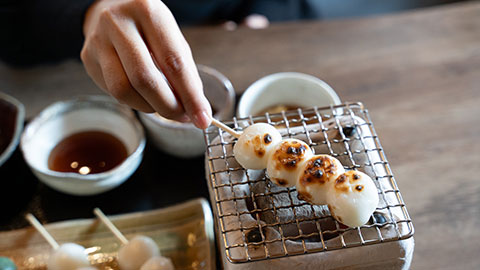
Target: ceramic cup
point(286, 88)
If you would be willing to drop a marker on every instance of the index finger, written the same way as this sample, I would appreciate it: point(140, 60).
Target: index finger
point(174, 57)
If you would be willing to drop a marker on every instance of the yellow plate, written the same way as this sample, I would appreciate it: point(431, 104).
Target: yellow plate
point(183, 232)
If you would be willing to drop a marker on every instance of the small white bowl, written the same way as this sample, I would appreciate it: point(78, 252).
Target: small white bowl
point(184, 139)
point(286, 88)
point(18, 122)
point(64, 118)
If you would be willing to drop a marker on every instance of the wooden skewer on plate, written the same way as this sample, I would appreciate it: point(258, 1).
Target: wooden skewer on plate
point(110, 226)
point(39, 227)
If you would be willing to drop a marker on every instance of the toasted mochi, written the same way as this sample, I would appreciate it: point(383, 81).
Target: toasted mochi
point(316, 176)
point(68, 256)
point(252, 148)
point(158, 263)
point(285, 159)
point(136, 252)
point(353, 198)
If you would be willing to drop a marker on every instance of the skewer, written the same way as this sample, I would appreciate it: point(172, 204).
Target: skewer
point(110, 225)
point(226, 128)
point(39, 227)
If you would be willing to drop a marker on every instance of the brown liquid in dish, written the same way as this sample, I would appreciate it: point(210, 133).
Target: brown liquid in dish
point(8, 115)
point(279, 108)
point(87, 152)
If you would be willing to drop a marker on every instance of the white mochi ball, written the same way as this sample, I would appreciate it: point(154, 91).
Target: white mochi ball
point(138, 250)
point(158, 263)
point(253, 147)
point(353, 198)
point(68, 256)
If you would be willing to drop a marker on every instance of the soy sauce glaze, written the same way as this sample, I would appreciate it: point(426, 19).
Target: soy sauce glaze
point(87, 152)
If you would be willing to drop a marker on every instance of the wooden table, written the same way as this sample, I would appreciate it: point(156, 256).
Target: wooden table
point(418, 73)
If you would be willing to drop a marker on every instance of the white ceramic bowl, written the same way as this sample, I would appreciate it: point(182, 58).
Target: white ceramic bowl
point(18, 122)
point(286, 88)
point(184, 139)
point(64, 118)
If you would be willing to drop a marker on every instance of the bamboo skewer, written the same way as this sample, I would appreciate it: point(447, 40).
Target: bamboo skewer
point(110, 225)
point(226, 128)
point(39, 227)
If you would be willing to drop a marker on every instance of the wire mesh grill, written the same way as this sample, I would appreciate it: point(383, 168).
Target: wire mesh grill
point(257, 220)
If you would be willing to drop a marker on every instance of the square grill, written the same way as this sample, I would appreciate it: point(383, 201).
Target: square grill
point(257, 220)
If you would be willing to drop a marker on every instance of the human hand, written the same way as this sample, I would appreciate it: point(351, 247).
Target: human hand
point(129, 44)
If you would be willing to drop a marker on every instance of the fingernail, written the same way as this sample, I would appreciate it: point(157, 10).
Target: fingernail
point(202, 120)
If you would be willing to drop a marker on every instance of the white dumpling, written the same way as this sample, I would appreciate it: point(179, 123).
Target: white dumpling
point(285, 159)
point(136, 252)
point(316, 176)
point(158, 263)
point(353, 198)
point(252, 148)
point(68, 256)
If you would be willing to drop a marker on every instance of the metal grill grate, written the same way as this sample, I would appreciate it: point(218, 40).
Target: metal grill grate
point(257, 220)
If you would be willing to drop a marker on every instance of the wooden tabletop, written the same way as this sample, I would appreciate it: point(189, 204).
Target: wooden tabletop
point(418, 73)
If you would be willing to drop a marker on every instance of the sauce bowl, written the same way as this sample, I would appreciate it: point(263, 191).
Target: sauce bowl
point(64, 118)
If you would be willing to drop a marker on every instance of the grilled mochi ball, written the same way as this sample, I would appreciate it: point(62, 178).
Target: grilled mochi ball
point(353, 198)
point(252, 148)
point(136, 252)
point(316, 177)
point(285, 159)
point(158, 263)
point(68, 256)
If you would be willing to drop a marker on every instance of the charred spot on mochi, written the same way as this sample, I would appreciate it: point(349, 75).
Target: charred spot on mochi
point(292, 163)
point(254, 236)
point(340, 183)
point(288, 155)
point(307, 179)
point(267, 139)
point(304, 196)
point(301, 149)
point(280, 181)
point(296, 148)
point(341, 179)
point(318, 162)
point(356, 176)
point(318, 173)
point(258, 146)
point(359, 187)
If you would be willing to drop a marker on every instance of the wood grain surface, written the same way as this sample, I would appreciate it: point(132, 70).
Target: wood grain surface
point(418, 73)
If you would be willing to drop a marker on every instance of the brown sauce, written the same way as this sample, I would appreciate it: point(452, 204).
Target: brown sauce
point(87, 152)
point(8, 115)
point(279, 108)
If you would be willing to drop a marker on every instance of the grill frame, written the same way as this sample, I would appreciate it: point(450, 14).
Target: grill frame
point(327, 119)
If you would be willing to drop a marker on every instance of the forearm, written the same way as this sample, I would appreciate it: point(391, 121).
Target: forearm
point(39, 31)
